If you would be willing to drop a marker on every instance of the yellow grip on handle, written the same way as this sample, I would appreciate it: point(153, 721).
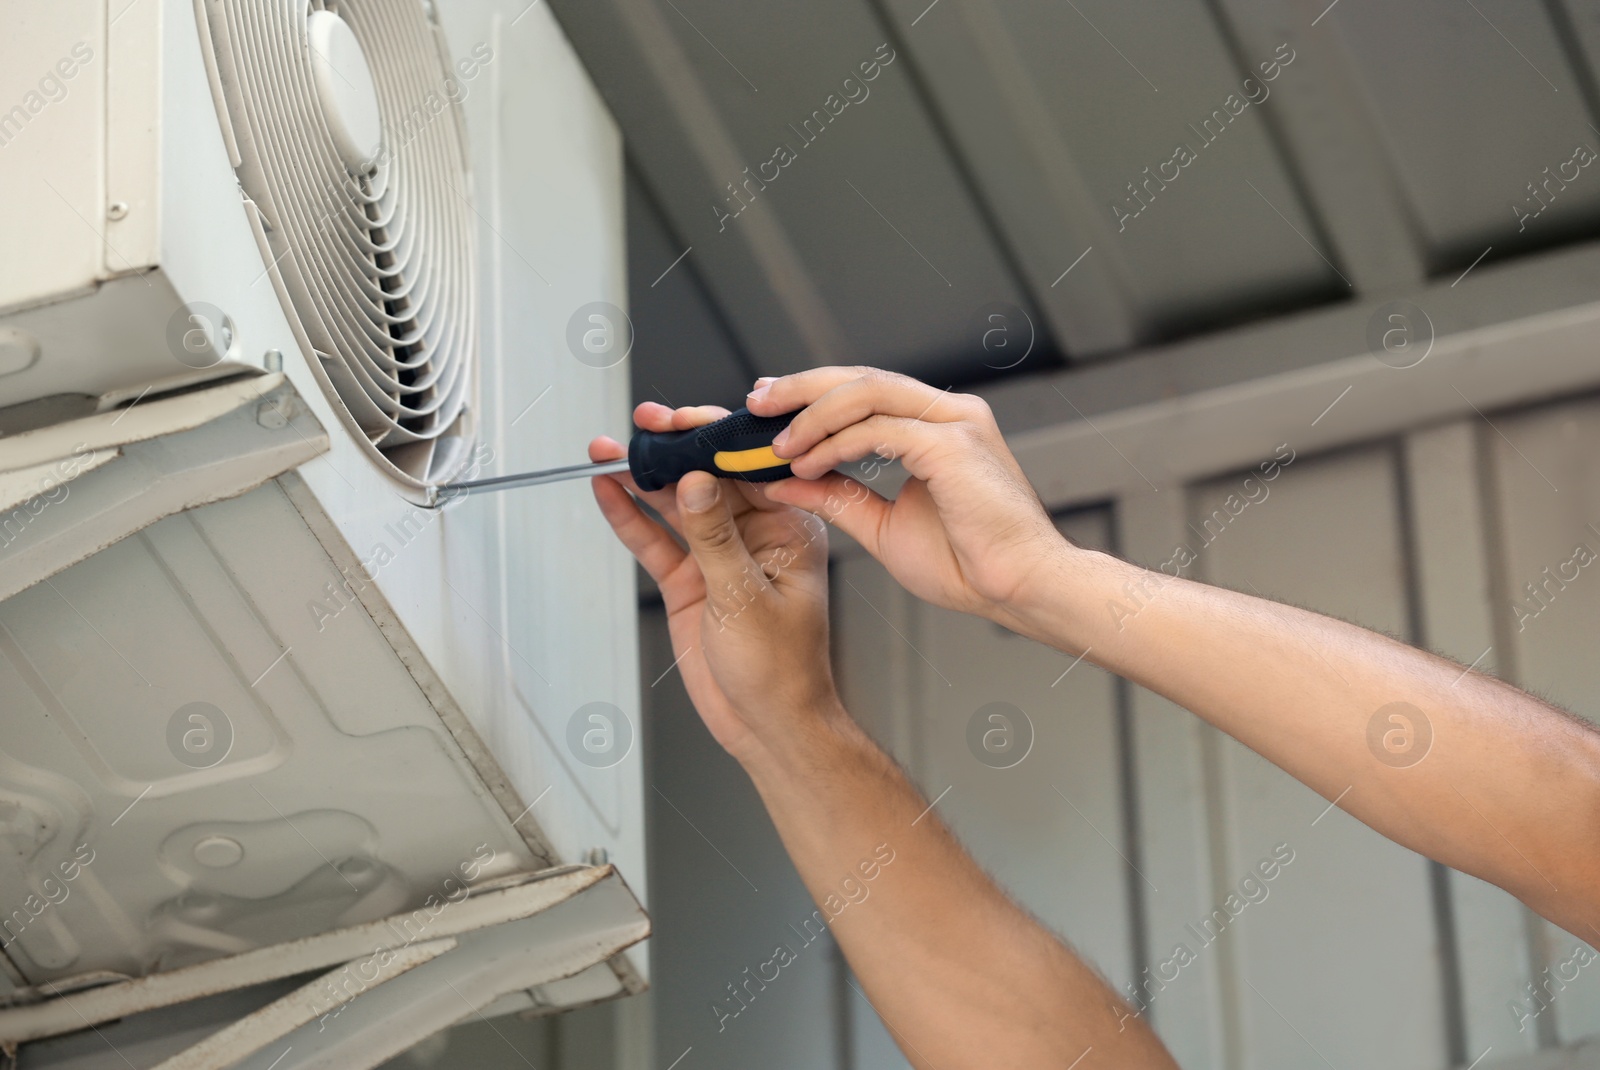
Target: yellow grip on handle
point(747, 460)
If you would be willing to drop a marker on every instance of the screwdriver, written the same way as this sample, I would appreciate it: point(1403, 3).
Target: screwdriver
point(738, 446)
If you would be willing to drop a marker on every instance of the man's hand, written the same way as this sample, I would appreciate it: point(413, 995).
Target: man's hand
point(966, 530)
point(940, 951)
point(747, 606)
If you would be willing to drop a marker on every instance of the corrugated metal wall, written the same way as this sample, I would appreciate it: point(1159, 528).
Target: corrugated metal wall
point(1130, 822)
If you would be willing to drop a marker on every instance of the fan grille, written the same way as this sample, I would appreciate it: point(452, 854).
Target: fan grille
point(375, 266)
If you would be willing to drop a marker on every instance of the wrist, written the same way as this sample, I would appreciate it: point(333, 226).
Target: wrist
point(1066, 597)
point(801, 742)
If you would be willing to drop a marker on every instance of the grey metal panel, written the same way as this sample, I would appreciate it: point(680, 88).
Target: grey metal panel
point(150, 1037)
point(317, 794)
point(1101, 91)
point(1207, 243)
point(1067, 791)
point(535, 637)
point(1397, 140)
point(1453, 560)
point(1324, 120)
point(1174, 819)
point(879, 672)
point(881, 681)
point(1475, 101)
point(1328, 536)
point(725, 896)
point(1025, 171)
point(870, 215)
point(1491, 295)
point(568, 937)
point(1548, 489)
point(119, 490)
point(1052, 829)
point(1167, 440)
point(684, 355)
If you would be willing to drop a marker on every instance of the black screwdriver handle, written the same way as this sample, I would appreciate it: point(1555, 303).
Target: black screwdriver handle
point(738, 446)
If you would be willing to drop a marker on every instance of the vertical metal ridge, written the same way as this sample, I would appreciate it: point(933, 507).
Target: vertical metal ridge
point(1218, 820)
point(1497, 543)
point(1444, 913)
point(1128, 798)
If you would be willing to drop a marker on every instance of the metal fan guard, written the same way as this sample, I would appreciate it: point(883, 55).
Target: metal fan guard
point(375, 268)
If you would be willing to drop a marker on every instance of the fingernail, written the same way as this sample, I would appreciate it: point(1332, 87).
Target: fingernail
point(762, 386)
point(780, 438)
point(700, 495)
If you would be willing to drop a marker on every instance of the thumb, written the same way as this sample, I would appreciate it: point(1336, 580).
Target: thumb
point(713, 537)
point(847, 504)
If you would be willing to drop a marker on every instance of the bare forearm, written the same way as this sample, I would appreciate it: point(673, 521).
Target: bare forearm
point(1461, 767)
point(960, 974)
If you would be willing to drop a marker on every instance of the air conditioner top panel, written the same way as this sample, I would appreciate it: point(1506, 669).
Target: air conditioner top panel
point(52, 113)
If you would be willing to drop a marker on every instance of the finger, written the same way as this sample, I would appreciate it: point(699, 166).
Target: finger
point(847, 504)
point(772, 397)
point(648, 541)
point(606, 448)
point(888, 437)
point(663, 502)
point(790, 392)
point(696, 416)
point(713, 536)
point(874, 394)
point(687, 419)
point(755, 494)
point(652, 416)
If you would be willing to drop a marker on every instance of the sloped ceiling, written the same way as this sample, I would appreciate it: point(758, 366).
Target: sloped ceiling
point(875, 181)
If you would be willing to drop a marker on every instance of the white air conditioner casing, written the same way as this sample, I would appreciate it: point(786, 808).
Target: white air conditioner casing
point(398, 682)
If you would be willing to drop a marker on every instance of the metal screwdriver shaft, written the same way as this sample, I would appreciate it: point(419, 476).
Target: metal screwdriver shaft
point(738, 446)
point(533, 479)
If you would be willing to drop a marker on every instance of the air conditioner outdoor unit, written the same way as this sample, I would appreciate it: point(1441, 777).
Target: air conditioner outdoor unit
point(274, 271)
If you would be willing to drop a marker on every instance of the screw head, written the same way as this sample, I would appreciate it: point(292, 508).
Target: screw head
point(117, 210)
